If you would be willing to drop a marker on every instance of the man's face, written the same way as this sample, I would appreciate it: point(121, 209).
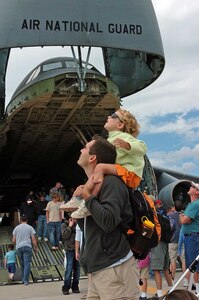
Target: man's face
point(58, 185)
point(84, 157)
point(193, 191)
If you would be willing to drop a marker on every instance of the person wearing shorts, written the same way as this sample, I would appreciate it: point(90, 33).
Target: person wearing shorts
point(160, 263)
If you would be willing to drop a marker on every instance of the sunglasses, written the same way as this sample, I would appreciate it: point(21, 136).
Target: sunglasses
point(114, 116)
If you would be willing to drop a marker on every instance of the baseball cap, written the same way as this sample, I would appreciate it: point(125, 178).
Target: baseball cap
point(158, 202)
point(195, 185)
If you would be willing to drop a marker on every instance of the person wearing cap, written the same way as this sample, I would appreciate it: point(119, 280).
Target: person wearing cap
point(29, 209)
point(24, 238)
point(190, 227)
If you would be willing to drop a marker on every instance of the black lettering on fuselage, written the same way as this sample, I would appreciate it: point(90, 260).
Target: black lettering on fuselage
point(124, 28)
point(31, 24)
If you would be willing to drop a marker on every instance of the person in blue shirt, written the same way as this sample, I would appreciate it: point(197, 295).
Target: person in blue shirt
point(190, 227)
point(10, 261)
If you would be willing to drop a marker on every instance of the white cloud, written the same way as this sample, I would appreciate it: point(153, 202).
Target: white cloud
point(182, 160)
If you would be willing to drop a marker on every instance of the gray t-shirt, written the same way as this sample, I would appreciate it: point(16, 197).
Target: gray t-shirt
point(23, 233)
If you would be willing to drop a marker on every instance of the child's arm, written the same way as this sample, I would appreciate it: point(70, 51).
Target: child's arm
point(119, 143)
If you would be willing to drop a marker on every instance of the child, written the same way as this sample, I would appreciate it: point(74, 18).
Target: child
point(143, 266)
point(123, 129)
point(10, 262)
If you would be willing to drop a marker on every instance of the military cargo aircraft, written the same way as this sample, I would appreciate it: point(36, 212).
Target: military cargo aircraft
point(63, 101)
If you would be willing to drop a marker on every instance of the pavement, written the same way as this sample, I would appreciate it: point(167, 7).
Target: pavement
point(52, 290)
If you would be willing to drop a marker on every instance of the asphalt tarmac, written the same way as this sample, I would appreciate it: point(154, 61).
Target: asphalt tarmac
point(52, 290)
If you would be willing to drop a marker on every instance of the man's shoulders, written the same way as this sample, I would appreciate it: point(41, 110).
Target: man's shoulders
point(113, 178)
point(114, 184)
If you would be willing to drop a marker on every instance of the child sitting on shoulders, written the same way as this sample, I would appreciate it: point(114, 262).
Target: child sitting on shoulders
point(123, 130)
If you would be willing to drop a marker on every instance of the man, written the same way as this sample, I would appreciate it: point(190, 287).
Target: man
point(68, 230)
point(107, 258)
point(190, 227)
point(23, 234)
point(58, 188)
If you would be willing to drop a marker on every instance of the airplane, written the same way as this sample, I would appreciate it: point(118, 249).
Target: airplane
point(63, 101)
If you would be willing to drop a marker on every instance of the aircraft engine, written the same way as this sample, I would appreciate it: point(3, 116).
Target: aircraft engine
point(172, 187)
point(174, 191)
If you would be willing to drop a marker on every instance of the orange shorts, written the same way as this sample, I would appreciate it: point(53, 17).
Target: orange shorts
point(130, 178)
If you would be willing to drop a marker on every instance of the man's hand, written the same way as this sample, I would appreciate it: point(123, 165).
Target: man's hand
point(88, 187)
point(119, 143)
point(72, 221)
point(78, 191)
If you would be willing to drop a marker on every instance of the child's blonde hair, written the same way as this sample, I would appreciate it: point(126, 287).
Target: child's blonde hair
point(131, 124)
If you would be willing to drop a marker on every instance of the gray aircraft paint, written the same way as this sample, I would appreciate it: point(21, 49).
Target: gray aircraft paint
point(126, 24)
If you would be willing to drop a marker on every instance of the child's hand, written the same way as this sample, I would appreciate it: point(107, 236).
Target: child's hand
point(119, 143)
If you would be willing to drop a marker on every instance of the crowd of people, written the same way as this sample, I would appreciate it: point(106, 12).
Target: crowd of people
point(99, 207)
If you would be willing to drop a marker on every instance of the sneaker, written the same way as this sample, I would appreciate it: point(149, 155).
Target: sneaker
point(71, 205)
point(45, 239)
point(39, 238)
point(65, 291)
point(76, 290)
point(81, 212)
point(54, 248)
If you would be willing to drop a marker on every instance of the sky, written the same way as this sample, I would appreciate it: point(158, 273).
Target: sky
point(167, 110)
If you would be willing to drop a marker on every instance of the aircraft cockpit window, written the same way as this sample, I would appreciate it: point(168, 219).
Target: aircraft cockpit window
point(52, 66)
point(70, 64)
point(34, 74)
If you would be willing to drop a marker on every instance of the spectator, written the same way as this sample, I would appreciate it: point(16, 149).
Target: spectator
point(160, 259)
point(190, 228)
point(29, 209)
point(181, 256)
point(177, 295)
point(72, 264)
point(174, 214)
point(10, 262)
point(42, 230)
point(58, 188)
point(107, 258)
point(31, 195)
point(23, 234)
point(54, 218)
point(143, 266)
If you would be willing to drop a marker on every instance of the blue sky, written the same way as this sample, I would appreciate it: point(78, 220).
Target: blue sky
point(167, 110)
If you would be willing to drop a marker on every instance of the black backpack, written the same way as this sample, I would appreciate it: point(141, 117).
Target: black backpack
point(167, 227)
point(140, 241)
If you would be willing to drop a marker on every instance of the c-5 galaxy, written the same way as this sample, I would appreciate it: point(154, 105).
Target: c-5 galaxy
point(63, 101)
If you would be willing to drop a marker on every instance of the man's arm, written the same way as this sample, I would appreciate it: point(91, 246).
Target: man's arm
point(34, 242)
point(108, 209)
point(184, 219)
point(14, 239)
point(47, 216)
